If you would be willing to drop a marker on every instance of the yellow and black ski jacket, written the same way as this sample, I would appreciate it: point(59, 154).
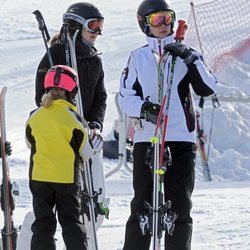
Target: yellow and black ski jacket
point(58, 142)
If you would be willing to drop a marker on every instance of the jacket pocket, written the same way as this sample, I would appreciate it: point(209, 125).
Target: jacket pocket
point(189, 113)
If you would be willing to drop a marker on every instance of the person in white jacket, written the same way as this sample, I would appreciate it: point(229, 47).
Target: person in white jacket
point(138, 99)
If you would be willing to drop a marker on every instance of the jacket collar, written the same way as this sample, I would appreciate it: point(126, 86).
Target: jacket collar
point(156, 44)
point(64, 103)
point(84, 51)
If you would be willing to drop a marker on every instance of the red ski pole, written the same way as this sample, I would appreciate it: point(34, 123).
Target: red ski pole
point(179, 36)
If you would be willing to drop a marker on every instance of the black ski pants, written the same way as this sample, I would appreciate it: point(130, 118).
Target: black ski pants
point(65, 198)
point(178, 187)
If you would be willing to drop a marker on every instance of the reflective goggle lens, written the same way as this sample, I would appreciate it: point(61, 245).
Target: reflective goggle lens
point(95, 25)
point(158, 18)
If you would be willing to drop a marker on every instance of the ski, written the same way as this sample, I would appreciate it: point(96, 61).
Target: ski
point(165, 217)
point(88, 194)
point(200, 141)
point(160, 217)
point(8, 189)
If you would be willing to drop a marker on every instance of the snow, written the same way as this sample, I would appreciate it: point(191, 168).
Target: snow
point(220, 209)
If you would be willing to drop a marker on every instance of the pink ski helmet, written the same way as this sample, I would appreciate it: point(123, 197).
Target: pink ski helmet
point(63, 77)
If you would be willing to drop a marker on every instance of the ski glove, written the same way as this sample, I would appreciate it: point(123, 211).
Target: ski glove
point(8, 148)
point(96, 140)
point(150, 111)
point(188, 54)
point(95, 125)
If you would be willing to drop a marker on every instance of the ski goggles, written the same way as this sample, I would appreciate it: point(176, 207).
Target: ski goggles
point(156, 19)
point(94, 26)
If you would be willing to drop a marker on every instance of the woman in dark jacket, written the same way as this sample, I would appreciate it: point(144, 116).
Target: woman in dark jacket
point(89, 64)
point(88, 19)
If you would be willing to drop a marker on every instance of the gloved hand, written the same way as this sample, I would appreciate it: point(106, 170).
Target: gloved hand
point(188, 54)
point(8, 149)
point(95, 125)
point(96, 140)
point(150, 111)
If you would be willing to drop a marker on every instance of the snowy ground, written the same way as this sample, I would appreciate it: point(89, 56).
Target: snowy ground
point(221, 209)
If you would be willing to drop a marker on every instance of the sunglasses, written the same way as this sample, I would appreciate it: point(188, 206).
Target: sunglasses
point(158, 18)
point(94, 26)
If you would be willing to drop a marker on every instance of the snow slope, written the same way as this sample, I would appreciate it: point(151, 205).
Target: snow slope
point(221, 208)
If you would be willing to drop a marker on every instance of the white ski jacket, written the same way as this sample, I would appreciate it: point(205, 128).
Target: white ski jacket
point(139, 82)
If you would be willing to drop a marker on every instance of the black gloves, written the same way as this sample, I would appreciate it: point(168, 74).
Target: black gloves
point(150, 111)
point(186, 53)
point(8, 148)
point(95, 137)
point(95, 125)
point(96, 140)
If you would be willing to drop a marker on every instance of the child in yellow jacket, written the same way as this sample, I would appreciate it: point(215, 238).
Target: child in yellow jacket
point(59, 143)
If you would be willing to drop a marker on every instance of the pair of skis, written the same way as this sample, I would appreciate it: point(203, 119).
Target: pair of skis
point(201, 137)
point(160, 217)
point(87, 195)
point(200, 142)
point(8, 189)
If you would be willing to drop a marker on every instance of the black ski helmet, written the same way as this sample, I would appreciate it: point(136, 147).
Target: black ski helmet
point(150, 6)
point(79, 11)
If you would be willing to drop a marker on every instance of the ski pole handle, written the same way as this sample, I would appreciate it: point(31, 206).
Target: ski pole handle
point(45, 33)
point(181, 30)
point(41, 23)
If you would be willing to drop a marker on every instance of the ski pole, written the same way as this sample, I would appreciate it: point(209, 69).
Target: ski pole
point(158, 170)
point(45, 34)
point(9, 231)
point(178, 37)
point(180, 32)
point(216, 104)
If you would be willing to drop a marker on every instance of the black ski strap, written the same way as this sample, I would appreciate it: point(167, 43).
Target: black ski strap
point(64, 38)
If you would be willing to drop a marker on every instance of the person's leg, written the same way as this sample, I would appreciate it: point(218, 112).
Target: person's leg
point(68, 209)
point(142, 184)
point(44, 226)
point(179, 185)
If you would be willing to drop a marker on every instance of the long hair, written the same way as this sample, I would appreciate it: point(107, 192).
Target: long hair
point(53, 94)
point(55, 38)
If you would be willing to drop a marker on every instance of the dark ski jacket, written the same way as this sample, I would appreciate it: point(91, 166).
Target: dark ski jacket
point(91, 78)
